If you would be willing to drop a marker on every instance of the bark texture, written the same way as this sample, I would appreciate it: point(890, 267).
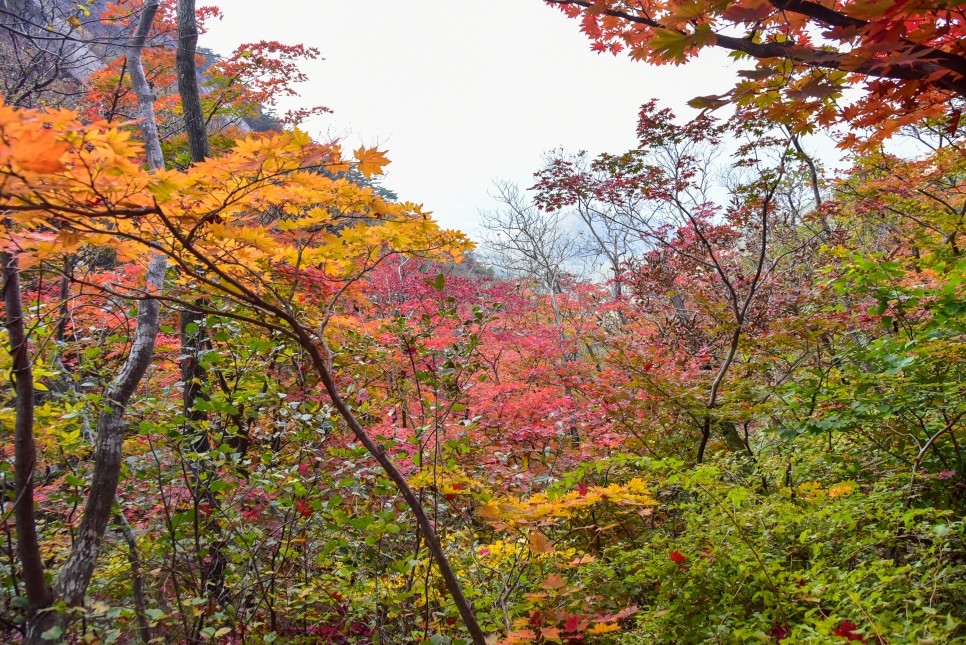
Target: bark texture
point(142, 89)
point(74, 578)
point(39, 595)
point(194, 116)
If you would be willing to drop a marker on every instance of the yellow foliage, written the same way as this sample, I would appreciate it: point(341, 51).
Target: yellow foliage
point(271, 204)
point(540, 508)
point(603, 628)
point(813, 491)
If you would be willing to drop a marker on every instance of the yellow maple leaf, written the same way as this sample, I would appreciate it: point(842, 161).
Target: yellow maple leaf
point(603, 628)
point(371, 161)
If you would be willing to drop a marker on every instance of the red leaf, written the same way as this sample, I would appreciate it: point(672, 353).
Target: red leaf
point(582, 489)
point(304, 508)
point(749, 11)
point(846, 629)
point(677, 556)
point(574, 623)
point(778, 632)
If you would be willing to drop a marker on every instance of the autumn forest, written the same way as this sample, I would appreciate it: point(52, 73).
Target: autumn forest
point(709, 389)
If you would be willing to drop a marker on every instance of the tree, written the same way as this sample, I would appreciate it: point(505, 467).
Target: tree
point(907, 56)
point(606, 236)
point(531, 245)
point(708, 259)
point(71, 583)
point(534, 245)
point(48, 52)
point(234, 226)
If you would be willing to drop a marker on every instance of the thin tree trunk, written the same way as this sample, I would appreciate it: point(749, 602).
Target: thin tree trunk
point(740, 317)
point(137, 582)
point(191, 322)
point(74, 578)
point(813, 178)
point(412, 500)
point(142, 89)
point(715, 388)
point(194, 117)
point(39, 595)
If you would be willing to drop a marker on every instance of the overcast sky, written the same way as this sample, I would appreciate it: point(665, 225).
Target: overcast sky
point(460, 92)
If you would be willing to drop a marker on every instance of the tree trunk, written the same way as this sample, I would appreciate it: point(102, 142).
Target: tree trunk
point(142, 89)
point(191, 322)
point(74, 578)
point(39, 595)
point(412, 500)
point(194, 117)
point(137, 582)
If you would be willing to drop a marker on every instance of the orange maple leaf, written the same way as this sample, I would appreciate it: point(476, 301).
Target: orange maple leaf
point(554, 582)
point(371, 161)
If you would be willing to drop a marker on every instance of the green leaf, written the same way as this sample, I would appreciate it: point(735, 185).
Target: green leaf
point(73, 480)
point(439, 283)
point(53, 634)
point(671, 45)
point(712, 102)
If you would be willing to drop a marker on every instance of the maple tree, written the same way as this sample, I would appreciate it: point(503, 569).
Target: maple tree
point(719, 255)
point(747, 427)
point(209, 219)
point(906, 56)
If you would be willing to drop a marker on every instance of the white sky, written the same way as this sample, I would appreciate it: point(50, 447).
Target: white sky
point(462, 92)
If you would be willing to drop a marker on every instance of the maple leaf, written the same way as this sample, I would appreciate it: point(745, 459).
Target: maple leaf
point(554, 582)
point(371, 161)
point(846, 629)
point(520, 636)
point(539, 544)
point(40, 152)
point(574, 623)
point(749, 11)
point(550, 633)
point(304, 508)
point(603, 628)
point(671, 45)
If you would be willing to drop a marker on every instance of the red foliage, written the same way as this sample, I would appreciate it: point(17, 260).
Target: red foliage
point(847, 629)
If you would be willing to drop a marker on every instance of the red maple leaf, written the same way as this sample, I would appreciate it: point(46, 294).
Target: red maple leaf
point(574, 623)
point(846, 629)
point(304, 508)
